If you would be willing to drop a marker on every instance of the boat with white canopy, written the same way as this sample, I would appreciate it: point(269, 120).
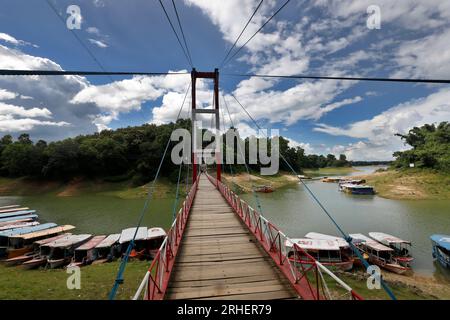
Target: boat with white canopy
point(401, 247)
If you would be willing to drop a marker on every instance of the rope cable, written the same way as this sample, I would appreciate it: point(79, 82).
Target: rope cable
point(182, 32)
point(346, 237)
point(119, 278)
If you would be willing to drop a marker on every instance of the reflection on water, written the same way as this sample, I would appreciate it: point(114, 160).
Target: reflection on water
point(294, 211)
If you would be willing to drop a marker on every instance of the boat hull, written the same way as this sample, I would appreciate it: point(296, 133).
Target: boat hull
point(13, 253)
point(18, 260)
point(343, 265)
point(57, 263)
point(34, 263)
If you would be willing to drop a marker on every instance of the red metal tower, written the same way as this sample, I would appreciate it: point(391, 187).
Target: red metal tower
point(205, 75)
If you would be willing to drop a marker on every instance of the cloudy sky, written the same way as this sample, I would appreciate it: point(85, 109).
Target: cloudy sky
point(322, 37)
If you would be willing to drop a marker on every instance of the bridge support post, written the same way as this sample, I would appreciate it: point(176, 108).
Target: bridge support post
point(196, 160)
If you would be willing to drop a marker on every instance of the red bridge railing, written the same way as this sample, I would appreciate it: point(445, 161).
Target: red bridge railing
point(303, 271)
point(154, 284)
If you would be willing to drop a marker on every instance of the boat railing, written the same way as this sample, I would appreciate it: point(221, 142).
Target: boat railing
point(154, 284)
point(308, 279)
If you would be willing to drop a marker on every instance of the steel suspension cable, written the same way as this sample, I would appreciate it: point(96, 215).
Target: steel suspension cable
point(319, 203)
point(245, 163)
point(265, 23)
point(176, 34)
point(119, 278)
point(237, 39)
point(9, 72)
point(182, 32)
point(437, 81)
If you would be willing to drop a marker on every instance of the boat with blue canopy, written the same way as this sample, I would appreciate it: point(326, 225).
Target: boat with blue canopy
point(16, 213)
point(441, 249)
point(28, 217)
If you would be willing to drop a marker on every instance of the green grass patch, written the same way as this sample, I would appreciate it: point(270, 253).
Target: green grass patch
point(96, 282)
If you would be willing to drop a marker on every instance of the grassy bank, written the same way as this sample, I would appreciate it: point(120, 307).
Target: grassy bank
point(411, 184)
point(329, 171)
point(96, 282)
point(244, 182)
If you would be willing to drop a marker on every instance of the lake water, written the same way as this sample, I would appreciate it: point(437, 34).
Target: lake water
point(291, 208)
point(295, 212)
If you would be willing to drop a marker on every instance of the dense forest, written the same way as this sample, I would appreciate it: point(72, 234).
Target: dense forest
point(430, 147)
point(126, 153)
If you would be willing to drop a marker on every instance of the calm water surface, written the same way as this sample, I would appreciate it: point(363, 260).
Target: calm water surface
point(294, 211)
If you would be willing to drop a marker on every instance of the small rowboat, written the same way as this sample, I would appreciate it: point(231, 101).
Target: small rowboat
point(401, 247)
point(357, 189)
point(331, 179)
point(379, 254)
point(327, 252)
point(441, 249)
point(86, 253)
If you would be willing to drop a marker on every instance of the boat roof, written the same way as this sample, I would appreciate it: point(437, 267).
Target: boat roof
point(16, 232)
point(17, 225)
point(10, 206)
point(69, 240)
point(370, 242)
point(128, 234)
point(19, 218)
point(16, 213)
point(442, 240)
point(46, 232)
point(157, 232)
point(48, 240)
point(356, 186)
point(109, 241)
point(320, 236)
point(14, 209)
point(91, 244)
point(314, 244)
point(386, 239)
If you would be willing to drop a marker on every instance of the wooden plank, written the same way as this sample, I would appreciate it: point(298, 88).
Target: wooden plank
point(274, 295)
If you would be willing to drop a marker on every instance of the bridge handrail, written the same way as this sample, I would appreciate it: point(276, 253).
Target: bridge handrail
point(273, 240)
point(154, 284)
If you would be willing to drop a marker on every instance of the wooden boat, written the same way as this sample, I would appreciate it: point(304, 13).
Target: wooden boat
point(401, 247)
point(5, 237)
point(357, 189)
point(31, 255)
point(17, 225)
point(13, 209)
point(43, 248)
point(303, 177)
point(346, 250)
point(24, 242)
point(331, 179)
point(61, 251)
point(108, 249)
point(264, 189)
point(10, 207)
point(155, 238)
point(441, 249)
point(26, 218)
point(17, 213)
point(86, 253)
point(140, 248)
point(327, 252)
point(379, 254)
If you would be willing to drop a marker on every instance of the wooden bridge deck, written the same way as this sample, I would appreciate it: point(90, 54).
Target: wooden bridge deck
point(220, 259)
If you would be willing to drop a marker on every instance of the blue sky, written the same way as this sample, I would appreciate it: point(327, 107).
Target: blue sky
point(321, 37)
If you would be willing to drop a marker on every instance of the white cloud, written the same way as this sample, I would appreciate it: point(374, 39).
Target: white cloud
point(378, 132)
point(10, 39)
point(9, 109)
point(8, 124)
point(7, 95)
point(98, 43)
point(305, 146)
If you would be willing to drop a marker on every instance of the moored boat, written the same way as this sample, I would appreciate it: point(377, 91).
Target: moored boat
point(331, 179)
point(13, 209)
point(345, 247)
point(86, 253)
point(441, 249)
point(264, 189)
point(43, 249)
point(17, 225)
point(5, 236)
point(401, 247)
point(140, 237)
point(155, 238)
point(108, 249)
point(357, 189)
point(327, 252)
point(379, 254)
point(12, 206)
point(31, 255)
point(61, 251)
point(26, 218)
point(17, 213)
